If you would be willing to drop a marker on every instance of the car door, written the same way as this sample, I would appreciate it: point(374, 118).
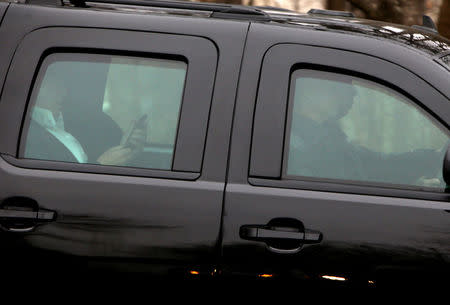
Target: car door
point(355, 201)
point(123, 175)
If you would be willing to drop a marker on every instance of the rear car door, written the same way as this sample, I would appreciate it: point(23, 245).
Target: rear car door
point(360, 200)
point(108, 162)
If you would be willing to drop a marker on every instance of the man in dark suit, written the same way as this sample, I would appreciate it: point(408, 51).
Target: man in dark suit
point(48, 139)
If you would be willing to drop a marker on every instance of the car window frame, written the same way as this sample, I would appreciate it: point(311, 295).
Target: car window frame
point(268, 149)
point(85, 57)
point(199, 53)
point(337, 73)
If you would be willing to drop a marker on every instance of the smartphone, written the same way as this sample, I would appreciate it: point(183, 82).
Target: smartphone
point(140, 123)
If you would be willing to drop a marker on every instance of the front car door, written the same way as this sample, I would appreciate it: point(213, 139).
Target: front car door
point(114, 167)
point(342, 182)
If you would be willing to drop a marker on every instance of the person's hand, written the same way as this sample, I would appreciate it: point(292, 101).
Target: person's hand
point(117, 155)
point(137, 139)
point(136, 136)
point(429, 182)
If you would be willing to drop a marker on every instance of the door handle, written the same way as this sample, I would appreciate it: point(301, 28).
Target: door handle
point(17, 214)
point(281, 235)
point(260, 232)
point(21, 214)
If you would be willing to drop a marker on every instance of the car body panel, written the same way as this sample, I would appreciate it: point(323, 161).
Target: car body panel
point(3, 8)
point(366, 240)
point(189, 222)
point(146, 223)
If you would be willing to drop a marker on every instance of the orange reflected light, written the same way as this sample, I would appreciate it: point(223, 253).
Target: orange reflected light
point(333, 278)
point(265, 275)
point(193, 272)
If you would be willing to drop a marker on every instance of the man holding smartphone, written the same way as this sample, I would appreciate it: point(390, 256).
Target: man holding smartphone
point(131, 145)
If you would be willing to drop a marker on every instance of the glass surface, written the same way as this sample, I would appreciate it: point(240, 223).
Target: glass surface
point(106, 109)
point(446, 60)
point(347, 128)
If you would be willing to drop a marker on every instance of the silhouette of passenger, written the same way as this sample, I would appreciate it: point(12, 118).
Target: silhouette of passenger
point(319, 147)
point(48, 139)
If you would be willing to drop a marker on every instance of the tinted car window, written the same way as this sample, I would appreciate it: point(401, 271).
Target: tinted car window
point(348, 128)
point(105, 109)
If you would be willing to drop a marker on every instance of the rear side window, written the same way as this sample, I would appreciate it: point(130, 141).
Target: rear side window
point(347, 128)
point(106, 110)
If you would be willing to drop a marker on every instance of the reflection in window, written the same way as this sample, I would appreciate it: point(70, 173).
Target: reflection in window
point(105, 109)
point(347, 128)
point(446, 60)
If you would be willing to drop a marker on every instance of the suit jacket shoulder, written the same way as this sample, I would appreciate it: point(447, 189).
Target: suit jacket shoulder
point(42, 145)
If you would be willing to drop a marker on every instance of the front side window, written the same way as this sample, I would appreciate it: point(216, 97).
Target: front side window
point(347, 128)
point(106, 110)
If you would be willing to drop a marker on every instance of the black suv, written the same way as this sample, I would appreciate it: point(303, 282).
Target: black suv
point(201, 140)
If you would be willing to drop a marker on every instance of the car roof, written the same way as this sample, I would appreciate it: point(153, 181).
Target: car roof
point(423, 38)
